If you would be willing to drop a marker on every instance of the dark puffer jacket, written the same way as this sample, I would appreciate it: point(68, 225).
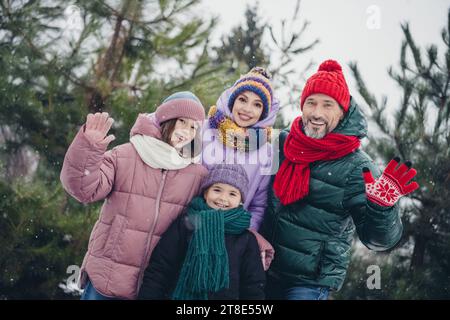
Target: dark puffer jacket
point(312, 237)
point(247, 276)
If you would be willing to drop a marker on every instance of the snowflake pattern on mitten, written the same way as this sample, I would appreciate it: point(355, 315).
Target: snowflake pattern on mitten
point(392, 185)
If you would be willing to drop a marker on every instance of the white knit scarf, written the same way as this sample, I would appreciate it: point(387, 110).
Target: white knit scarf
point(160, 155)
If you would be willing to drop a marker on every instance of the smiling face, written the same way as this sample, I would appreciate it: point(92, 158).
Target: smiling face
point(247, 109)
point(183, 132)
point(222, 196)
point(321, 115)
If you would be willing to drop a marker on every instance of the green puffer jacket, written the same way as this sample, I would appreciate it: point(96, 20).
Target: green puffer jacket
point(312, 237)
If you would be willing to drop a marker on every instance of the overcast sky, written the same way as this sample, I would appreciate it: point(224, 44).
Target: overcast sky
point(349, 30)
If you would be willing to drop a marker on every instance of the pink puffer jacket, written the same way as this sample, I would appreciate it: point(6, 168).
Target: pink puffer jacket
point(141, 202)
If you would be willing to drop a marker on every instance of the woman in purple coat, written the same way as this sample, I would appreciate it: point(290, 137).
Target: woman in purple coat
point(238, 131)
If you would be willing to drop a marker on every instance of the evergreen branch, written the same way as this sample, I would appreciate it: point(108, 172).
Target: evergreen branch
point(67, 74)
point(412, 45)
point(296, 10)
point(189, 80)
point(126, 85)
point(371, 101)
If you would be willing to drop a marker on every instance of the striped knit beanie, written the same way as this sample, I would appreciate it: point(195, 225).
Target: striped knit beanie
point(183, 104)
point(256, 83)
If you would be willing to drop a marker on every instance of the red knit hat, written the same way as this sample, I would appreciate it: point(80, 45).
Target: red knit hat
point(328, 80)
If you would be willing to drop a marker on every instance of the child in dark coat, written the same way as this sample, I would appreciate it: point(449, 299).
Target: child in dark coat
point(208, 253)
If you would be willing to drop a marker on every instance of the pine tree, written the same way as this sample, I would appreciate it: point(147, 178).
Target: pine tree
point(420, 132)
point(243, 49)
point(247, 47)
point(60, 62)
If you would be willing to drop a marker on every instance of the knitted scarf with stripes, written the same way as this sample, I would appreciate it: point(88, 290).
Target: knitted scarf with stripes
point(235, 137)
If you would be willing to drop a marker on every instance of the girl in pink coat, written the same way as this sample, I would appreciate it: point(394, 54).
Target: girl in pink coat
point(145, 183)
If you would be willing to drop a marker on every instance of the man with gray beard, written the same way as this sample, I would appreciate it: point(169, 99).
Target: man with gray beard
point(324, 190)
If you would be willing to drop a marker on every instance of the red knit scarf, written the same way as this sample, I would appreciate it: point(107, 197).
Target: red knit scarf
point(292, 180)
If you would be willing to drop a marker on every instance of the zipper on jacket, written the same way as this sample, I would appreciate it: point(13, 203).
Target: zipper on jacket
point(319, 259)
point(276, 218)
point(152, 229)
point(158, 201)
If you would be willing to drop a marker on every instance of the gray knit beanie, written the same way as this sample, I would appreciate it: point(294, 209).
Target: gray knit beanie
point(232, 174)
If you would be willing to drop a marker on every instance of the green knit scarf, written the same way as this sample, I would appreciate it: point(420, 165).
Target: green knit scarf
point(205, 268)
